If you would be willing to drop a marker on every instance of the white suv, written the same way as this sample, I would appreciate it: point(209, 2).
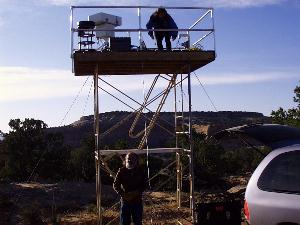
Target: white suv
point(273, 192)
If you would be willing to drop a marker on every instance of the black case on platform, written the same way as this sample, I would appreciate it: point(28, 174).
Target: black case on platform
point(219, 213)
point(120, 44)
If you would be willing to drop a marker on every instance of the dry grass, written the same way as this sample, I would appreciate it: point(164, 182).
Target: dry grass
point(74, 203)
point(159, 208)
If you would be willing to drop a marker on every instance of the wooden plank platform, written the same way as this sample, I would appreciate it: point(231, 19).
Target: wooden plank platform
point(140, 62)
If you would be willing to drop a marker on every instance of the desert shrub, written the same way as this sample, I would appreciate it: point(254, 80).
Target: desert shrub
point(91, 208)
point(32, 215)
point(82, 161)
point(55, 219)
point(6, 206)
point(27, 146)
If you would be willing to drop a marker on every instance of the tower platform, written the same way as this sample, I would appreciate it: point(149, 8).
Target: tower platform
point(140, 62)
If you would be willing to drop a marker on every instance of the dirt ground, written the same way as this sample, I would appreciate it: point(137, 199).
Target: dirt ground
point(74, 203)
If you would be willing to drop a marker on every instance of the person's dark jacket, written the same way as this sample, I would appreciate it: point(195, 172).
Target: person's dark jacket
point(166, 22)
point(130, 184)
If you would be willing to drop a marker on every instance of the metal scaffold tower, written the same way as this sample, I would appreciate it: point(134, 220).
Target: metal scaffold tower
point(100, 53)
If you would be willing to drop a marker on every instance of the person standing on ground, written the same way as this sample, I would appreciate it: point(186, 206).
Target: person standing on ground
point(129, 183)
point(160, 19)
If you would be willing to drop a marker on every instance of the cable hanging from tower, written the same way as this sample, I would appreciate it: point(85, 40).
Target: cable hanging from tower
point(74, 101)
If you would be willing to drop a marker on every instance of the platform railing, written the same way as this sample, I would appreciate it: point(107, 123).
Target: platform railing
point(191, 33)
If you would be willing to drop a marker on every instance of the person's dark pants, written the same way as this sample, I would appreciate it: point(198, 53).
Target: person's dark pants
point(159, 35)
point(131, 210)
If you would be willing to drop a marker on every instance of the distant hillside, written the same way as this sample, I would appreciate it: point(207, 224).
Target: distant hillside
point(1, 136)
point(205, 122)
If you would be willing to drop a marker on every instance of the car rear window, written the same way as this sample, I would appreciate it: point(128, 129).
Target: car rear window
point(282, 174)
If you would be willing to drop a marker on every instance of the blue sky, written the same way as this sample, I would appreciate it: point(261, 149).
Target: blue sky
point(256, 69)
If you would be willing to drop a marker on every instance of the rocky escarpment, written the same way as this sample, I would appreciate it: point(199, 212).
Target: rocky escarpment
point(204, 122)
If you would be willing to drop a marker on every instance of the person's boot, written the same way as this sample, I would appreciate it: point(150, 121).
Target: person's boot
point(160, 46)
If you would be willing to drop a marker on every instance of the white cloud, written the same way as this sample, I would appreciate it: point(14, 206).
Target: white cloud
point(244, 78)
point(242, 3)
point(1, 22)
point(90, 2)
point(23, 83)
point(4, 1)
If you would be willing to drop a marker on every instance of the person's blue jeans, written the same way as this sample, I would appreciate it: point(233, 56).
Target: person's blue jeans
point(132, 211)
point(160, 35)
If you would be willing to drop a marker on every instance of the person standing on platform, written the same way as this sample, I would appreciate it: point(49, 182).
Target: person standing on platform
point(129, 183)
point(160, 19)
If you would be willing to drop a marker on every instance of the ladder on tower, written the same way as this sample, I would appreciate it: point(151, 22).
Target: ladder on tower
point(146, 132)
point(180, 132)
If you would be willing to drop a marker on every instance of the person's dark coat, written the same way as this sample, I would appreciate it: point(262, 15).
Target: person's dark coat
point(130, 184)
point(166, 22)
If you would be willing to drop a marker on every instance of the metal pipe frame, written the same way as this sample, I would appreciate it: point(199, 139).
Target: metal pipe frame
point(147, 195)
point(140, 26)
point(200, 39)
point(191, 155)
point(200, 19)
point(130, 115)
point(142, 151)
point(134, 7)
point(178, 151)
point(175, 115)
point(147, 118)
point(148, 103)
point(141, 30)
point(158, 110)
point(213, 21)
point(97, 159)
point(178, 157)
point(71, 32)
point(139, 8)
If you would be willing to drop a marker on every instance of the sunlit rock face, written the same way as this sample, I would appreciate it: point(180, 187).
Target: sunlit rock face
point(203, 122)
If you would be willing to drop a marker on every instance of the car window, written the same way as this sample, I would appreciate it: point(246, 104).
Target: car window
point(282, 174)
